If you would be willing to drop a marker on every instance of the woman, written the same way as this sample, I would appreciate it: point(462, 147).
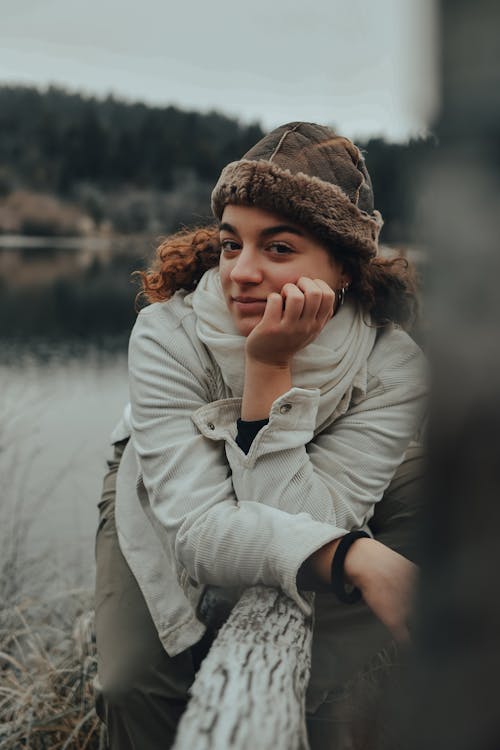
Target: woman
point(273, 399)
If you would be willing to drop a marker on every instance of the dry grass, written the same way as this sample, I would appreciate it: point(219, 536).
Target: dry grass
point(47, 663)
point(47, 648)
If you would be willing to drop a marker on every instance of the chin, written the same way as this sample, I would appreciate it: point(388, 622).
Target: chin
point(245, 330)
point(245, 327)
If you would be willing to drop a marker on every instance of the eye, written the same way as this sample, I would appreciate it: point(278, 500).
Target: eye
point(228, 246)
point(279, 249)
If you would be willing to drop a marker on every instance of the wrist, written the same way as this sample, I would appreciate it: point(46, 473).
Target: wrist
point(342, 587)
point(264, 383)
point(355, 564)
point(267, 366)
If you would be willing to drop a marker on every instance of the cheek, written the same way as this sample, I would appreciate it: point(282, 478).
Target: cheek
point(224, 274)
point(285, 275)
point(333, 280)
point(333, 275)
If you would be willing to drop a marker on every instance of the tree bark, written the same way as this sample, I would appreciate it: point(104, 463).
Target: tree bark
point(250, 690)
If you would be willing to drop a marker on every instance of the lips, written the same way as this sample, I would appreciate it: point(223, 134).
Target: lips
point(248, 305)
point(248, 300)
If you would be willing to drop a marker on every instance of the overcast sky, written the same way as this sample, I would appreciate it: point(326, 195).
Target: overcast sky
point(366, 67)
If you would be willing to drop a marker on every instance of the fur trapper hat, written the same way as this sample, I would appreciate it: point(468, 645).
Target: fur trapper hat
point(312, 176)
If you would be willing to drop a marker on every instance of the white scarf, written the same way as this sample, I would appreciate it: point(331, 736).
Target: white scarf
point(335, 362)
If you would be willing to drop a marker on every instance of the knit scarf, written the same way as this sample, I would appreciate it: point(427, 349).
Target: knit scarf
point(334, 363)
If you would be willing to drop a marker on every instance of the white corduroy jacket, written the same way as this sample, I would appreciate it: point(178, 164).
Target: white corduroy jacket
point(193, 510)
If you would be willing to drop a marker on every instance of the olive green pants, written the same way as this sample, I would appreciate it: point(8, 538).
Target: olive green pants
point(142, 692)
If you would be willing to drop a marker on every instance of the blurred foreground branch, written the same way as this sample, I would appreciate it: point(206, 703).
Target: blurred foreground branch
point(452, 696)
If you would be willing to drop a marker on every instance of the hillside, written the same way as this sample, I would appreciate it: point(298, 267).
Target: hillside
point(114, 166)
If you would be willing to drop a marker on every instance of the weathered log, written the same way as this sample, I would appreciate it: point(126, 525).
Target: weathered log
point(250, 690)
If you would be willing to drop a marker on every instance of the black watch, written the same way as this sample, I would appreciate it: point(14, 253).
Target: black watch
point(337, 580)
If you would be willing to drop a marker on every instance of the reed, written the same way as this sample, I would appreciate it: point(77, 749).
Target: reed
point(47, 665)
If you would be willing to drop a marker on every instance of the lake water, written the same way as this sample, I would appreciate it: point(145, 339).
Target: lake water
point(64, 324)
point(56, 417)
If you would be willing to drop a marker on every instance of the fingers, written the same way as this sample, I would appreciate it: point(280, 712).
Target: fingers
point(312, 297)
point(310, 300)
point(325, 311)
point(273, 310)
point(294, 302)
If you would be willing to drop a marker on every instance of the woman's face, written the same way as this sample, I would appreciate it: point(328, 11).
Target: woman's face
point(260, 252)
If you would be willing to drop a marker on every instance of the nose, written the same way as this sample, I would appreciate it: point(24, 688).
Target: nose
point(247, 267)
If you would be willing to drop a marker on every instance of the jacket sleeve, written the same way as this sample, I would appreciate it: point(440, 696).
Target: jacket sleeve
point(338, 475)
point(215, 538)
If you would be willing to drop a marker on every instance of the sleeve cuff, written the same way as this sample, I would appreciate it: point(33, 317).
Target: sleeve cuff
point(292, 414)
point(310, 537)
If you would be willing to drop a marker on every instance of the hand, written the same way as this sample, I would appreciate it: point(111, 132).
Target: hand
point(291, 320)
point(387, 582)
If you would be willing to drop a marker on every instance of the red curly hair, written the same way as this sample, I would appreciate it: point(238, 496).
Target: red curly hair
point(385, 287)
point(179, 263)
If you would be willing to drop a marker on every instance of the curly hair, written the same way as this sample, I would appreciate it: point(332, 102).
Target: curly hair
point(179, 263)
point(385, 287)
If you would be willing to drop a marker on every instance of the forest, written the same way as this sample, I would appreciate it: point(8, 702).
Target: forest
point(76, 165)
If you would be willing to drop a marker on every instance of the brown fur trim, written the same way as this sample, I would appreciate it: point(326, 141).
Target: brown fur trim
point(321, 207)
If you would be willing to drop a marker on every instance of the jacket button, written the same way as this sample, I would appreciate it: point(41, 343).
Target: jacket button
point(285, 408)
point(211, 426)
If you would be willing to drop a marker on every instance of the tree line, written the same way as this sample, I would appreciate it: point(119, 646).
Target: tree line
point(55, 142)
point(52, 140)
